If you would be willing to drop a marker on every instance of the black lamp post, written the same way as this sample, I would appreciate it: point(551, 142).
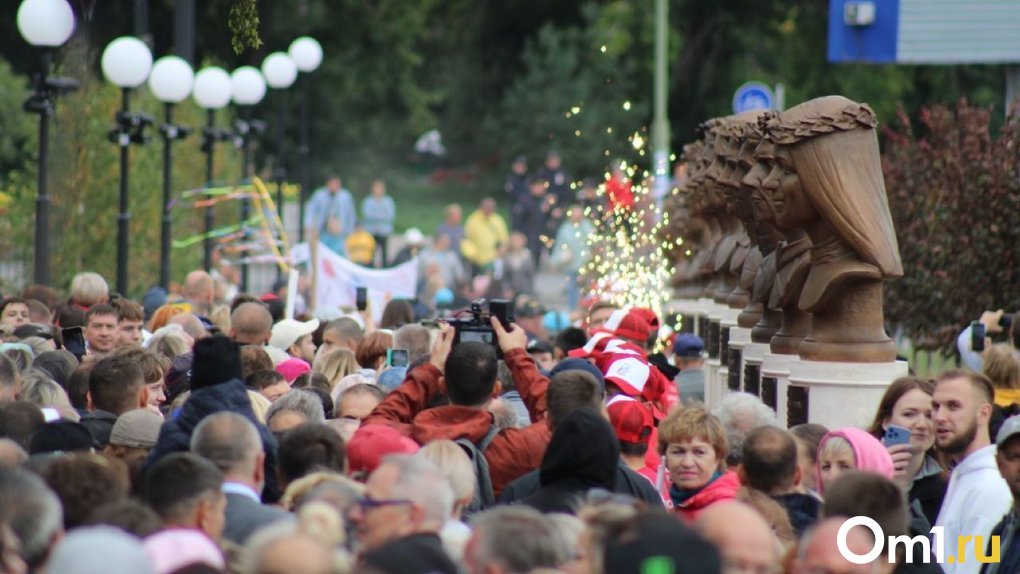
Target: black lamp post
point(307, 55)
point(248, 89)
point(171, 82)
point(212, 92)
point(46, 24)
point(126, 63)
point(280, 73)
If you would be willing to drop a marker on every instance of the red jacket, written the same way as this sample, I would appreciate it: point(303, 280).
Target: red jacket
point(723, 488)
point(513, 453)
point(620, 194)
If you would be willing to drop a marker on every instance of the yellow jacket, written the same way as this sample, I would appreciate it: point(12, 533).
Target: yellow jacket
point(360, 247)
point(1006, 397)
point(483, 236)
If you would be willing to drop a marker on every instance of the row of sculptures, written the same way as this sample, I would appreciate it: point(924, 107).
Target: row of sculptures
point(785, 218)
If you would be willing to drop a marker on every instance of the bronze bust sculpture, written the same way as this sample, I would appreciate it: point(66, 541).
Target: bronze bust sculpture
point(826, 179)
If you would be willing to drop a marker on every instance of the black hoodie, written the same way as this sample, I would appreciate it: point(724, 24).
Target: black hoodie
point(582, 455)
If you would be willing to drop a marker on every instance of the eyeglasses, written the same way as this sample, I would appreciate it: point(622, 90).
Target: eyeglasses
point(367, 503)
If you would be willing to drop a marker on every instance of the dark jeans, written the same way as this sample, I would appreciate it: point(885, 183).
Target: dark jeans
point(380, 243)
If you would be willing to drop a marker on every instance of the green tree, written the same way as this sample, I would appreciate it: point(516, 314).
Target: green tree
point(576, 95)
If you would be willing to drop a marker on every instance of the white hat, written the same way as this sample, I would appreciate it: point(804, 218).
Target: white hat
point(286, 332)
point(414, 236)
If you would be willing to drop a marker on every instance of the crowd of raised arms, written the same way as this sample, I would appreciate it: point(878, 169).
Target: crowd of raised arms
point(191, 433)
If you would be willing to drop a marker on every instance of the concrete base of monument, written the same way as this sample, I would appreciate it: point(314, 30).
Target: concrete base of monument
point(754, 355)
point(713, 386)
point(775, 378)
point(739, 339)
point(838, 394)
point(689, 310)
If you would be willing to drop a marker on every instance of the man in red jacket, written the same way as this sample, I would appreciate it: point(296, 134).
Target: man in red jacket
point(467, 374)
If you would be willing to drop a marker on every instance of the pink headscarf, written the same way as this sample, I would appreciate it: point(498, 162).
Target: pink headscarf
point(869, 453)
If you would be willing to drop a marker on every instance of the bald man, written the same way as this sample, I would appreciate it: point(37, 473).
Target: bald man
point(742, 536)
point(251, 324)
point(191, 324)
point(11, 454)
point(199, 290)
point(818, 551)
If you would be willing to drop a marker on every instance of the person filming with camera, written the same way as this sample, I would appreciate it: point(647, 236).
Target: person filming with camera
point(466, 372)
point(974, 339)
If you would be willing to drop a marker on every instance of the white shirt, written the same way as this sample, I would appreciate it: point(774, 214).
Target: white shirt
point(241, 489)
point(976, 500)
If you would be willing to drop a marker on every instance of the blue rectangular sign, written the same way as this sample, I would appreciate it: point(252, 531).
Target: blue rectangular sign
point(874, 43)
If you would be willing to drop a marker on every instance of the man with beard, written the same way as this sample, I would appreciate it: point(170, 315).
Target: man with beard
point(977, 496)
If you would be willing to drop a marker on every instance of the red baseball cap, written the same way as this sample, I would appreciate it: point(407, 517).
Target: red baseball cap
point(371, 443)
point(629, 324)
point(631, 420)
point(649, 316)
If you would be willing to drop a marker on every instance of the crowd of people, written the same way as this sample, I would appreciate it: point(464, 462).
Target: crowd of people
point(551, 225)
point(187, 433)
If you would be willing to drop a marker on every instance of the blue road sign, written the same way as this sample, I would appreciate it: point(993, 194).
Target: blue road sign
point(753, 96)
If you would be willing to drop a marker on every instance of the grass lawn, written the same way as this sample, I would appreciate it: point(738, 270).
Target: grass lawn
point(927, 364)
point(421, 199)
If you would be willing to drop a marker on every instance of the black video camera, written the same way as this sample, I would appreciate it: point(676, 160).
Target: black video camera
point(477, 327)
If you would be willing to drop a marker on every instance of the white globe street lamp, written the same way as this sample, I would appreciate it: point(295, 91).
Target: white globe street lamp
point(46, 24)
point(279, 70)
point(126, 63)
point(307, 55)
point(249, 87)
point(212, 88)
point(212, 92)
point(171, 81)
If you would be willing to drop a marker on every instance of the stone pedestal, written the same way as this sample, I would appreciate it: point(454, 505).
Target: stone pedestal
point(754, 355)
point(715, 365)
point(689, 311)
point(739, 339)
point(775, 378)
point(838, 394)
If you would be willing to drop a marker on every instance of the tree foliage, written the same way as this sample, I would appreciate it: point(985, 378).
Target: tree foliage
point(953, 189)
point(576, 94)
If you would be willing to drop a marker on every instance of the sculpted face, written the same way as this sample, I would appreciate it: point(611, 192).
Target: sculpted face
point(761, 206)
point(788, 198)
point(737, 196)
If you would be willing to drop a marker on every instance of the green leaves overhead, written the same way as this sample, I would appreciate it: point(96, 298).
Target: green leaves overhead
point(244, 25)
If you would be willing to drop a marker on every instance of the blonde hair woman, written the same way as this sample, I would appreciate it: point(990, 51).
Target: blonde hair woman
point(456, 467)
point(335, 364)
point(1002, 366)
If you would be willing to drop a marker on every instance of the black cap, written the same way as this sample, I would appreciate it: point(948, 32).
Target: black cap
point(660, 543)
point(216, 360)
point(61, 436)
point(539, 346)
point(529, 308)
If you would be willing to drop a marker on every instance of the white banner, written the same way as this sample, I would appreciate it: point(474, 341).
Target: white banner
point(339, 278)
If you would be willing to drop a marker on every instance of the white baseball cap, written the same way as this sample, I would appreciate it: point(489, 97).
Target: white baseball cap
point(286, 332)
